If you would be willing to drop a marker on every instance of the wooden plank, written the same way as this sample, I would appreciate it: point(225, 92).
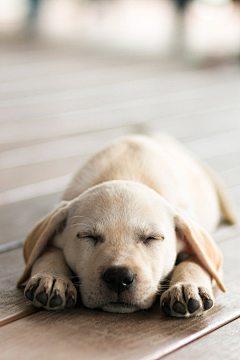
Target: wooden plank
point(36, 190)
point(235, 194)
point(85, 77)
point(11, 246)
point(37, 65)
point(31, 59)
point(15, 177)
point(13, 305)
point(184, 125)
point(12, 263)
point(30, 142)
point(17, 219)
point(159, 105)
point(224, 162)
point(162, 119)
point(72, 146)
point(231, 176)
point(92, 334)
point(226, 232)
point(221, 344)
point(76, 145)
point(216, 145)
point(129, 95)
point(112, 79)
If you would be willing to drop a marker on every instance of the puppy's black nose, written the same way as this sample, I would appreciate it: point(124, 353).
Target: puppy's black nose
point(118, 278)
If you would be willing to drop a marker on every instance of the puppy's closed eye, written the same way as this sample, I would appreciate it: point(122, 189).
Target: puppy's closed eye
point(148, 239)
point(96, 239)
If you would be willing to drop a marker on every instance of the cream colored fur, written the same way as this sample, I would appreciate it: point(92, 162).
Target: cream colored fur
point(136, 204)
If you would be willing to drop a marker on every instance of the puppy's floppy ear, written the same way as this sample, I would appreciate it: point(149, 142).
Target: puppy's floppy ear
point(41, 234)
point(200, 243)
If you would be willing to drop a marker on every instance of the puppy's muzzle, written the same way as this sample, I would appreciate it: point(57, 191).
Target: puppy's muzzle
point(118, 279)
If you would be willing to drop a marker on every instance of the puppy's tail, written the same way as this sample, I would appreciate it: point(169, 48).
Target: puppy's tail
point(227, 208)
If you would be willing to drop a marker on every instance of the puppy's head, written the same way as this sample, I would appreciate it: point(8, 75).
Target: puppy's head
point(119, 238)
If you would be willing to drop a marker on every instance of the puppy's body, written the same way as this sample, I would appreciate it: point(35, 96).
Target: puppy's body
point(126, 215)
point(160, 163)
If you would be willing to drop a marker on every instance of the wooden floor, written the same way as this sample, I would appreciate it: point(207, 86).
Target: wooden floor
point(59, 105)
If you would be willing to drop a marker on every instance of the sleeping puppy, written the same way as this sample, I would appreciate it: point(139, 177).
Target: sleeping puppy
point(124, 219)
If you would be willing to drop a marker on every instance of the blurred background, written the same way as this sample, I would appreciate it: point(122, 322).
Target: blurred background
point(76, 74)
point(199, 27)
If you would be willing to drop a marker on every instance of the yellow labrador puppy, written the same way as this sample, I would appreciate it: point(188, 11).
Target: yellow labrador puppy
point(124, 219)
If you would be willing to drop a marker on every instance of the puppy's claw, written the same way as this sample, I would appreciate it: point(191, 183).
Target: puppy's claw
point(203, 295)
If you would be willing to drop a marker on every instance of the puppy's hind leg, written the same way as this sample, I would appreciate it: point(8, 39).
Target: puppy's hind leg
point(50, 286)
point(190, 292)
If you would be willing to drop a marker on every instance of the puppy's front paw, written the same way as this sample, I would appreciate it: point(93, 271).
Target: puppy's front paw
point(186, 300)
point(50, 292)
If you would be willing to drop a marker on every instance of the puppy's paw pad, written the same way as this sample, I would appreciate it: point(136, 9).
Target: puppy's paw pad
point(29, 294)
point(42, 298)
point(165, 304)
point(179, 307)
point(71, 300)
point(206, 299)
point(193, 305)
point(186, 300)
point(55, 301)
point(50, 292)
point(207, 304)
